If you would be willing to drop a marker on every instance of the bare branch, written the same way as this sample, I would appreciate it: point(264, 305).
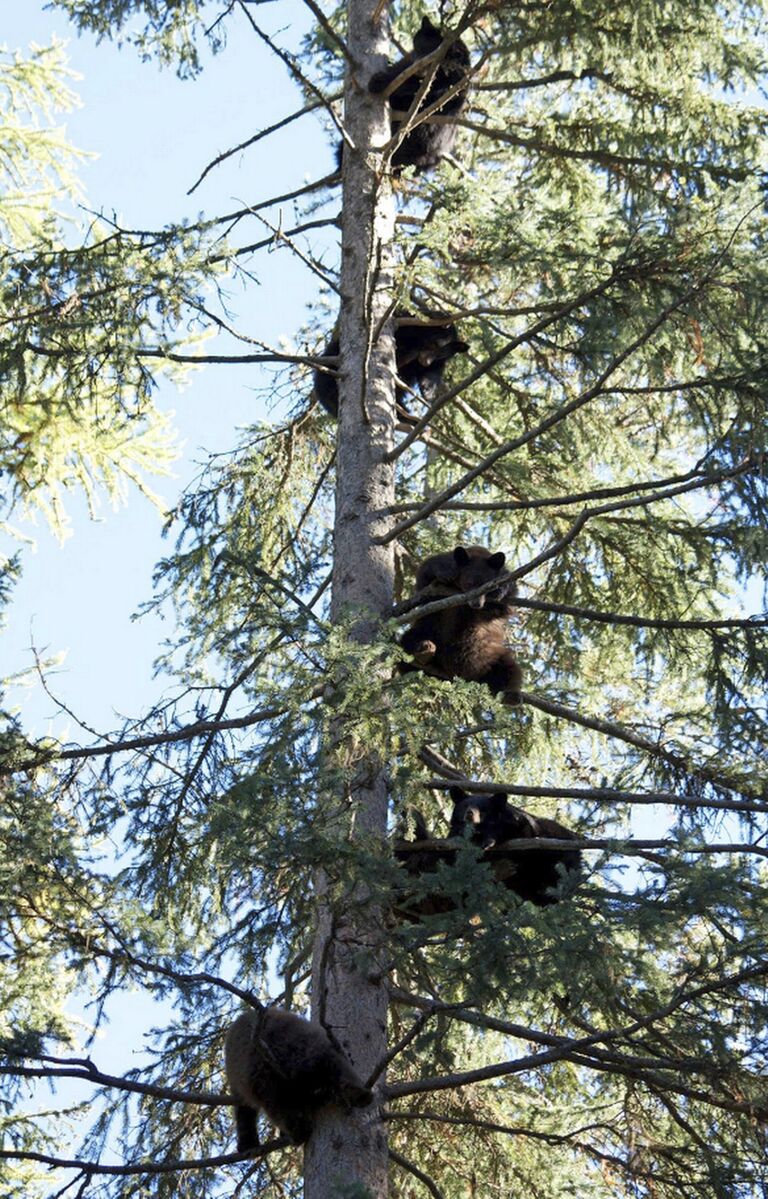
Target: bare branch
point(88, 1072)
point(290, 62)
point(257, 137)
point(95, 1168)
point(588, 794)
point(405, 1164)
point(200, 728)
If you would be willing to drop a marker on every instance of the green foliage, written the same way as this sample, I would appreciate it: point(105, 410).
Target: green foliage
point(90, 314)
point(171, 32)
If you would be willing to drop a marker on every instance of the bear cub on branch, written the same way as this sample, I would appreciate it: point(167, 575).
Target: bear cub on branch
point(415, 863)
point(493, 822)
point(426, 144)
point(278, 1062)
point(422, 351)
point(468, 640)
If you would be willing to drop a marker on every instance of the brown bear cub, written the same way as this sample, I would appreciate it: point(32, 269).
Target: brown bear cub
point(281, 1064)
point(530, 873)
point(467, 641)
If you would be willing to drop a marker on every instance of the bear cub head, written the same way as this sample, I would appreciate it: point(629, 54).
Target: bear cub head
point(475, 566)
point(533, 874)
point(491, 820)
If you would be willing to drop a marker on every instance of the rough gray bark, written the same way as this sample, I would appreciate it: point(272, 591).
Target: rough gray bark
point(349, 1148)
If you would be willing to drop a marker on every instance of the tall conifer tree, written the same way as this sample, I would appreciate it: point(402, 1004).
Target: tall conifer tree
point(599, 241)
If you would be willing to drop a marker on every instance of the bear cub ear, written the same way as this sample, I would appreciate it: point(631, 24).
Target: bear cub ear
point(457, 794)
point(498, 801)
point(460, 556)
point(496, 561)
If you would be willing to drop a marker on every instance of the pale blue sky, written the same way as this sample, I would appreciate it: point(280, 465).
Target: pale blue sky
point(153, 134)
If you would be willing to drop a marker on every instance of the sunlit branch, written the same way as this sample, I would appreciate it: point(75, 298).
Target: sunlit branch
point(583, 1051)
point(295, 70)
point(511, 85)
point(323, 21)
point(640, 622)
point(603, 158)
point(499, 356)
point(257, 137)
point(274, 239)
point(279, 236)
point(460, 598)
point(621, 733)
point(561, 501)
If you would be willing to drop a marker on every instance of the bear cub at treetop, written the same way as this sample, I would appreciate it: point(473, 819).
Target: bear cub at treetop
point(422, 350)
point(468, 640)
point(424, 145)
point(494, 821)
point(278, 1062)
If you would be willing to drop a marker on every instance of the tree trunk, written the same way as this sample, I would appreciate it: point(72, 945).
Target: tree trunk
point(349, 1148)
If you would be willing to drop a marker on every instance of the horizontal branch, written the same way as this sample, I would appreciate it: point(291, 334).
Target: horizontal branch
point(559, 501)
point(625, 846)
point(88, 1072)
point(200, 728)
point(593, 794)
point(172, 1167)
point(604, 158)
point(640, 622)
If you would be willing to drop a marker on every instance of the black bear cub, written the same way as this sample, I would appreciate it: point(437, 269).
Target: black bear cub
point(426, 144)
point(421, 352)
point(415, 863)
point(493, 821)
point(466, 641)
point(279, 1063)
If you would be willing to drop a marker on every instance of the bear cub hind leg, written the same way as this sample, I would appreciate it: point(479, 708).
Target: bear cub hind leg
point(505, 678)
point(247, 1130)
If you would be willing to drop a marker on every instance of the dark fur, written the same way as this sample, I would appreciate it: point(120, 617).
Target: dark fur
point(279, 1063)
point(531, 873)
point(421, 353)
point(426, 144)
point(463, 569)
point(465, 642)
point(416, 863)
